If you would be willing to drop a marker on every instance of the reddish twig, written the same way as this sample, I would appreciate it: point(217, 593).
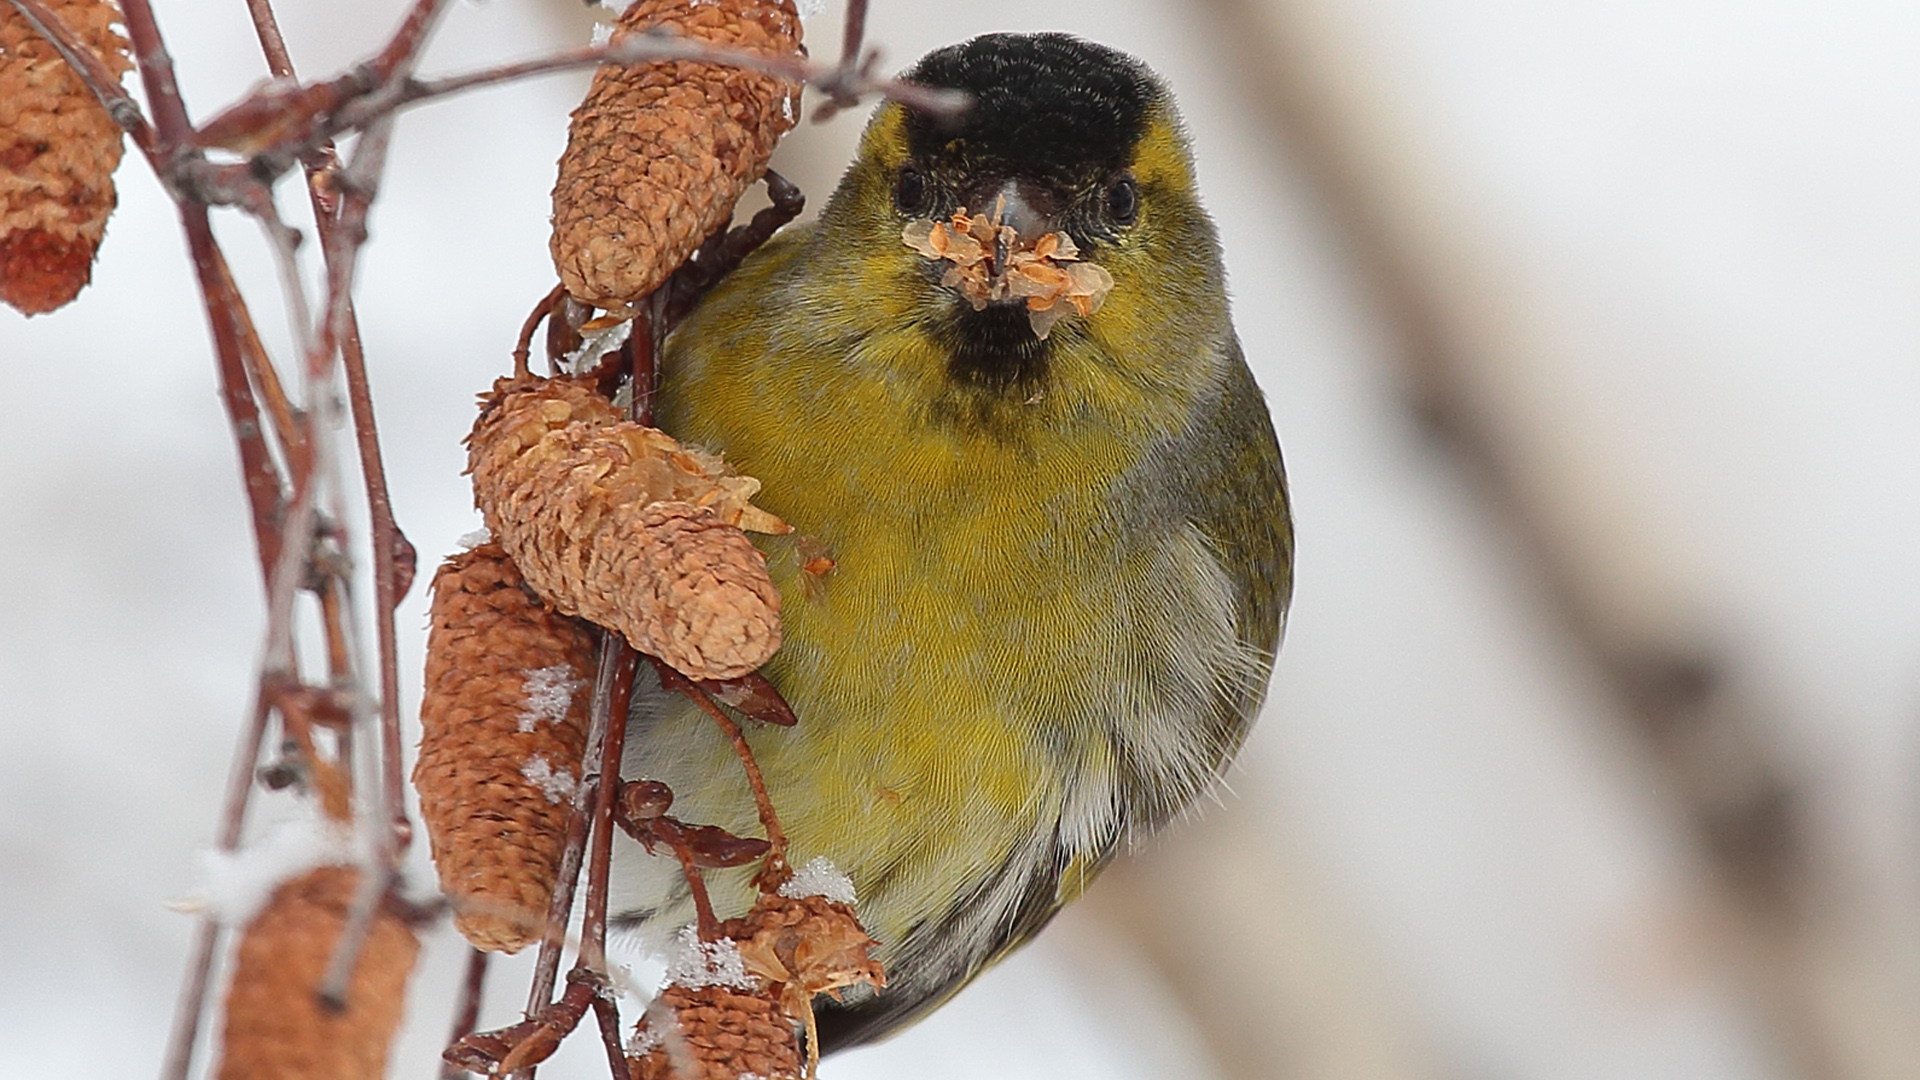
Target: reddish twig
point(641, 811)
point(394, 563)
point(264, 484)
point(523, 345)
point(466, 1015)
point(403, 49)
point(608, 1014)
point(560, 906)
point(517, 1049)
point(605, 778)
point(394, 557)
point(265, 378)
point(839, 82)
point(193, 994)
point(170, 124)
point(523, 1046)
point(266, 26)
point(776, 869)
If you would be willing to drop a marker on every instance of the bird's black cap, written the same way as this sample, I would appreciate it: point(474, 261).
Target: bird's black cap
point(1049, 106)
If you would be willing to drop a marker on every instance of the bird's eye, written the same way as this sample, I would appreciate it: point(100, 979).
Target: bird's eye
point(910, 191)
point(1123, 201)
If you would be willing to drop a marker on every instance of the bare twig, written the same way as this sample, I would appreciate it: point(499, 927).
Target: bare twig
point(373, 888)
point(854, 35)
point(170, 124)
point(266, 26)
point(841, 90)
point(606, 782)
point(608, 1015)
point(466, 1015)
point(776, 865)
point(394, 558)
point(614, 670)
point(560, 906)
point(287, 428)
point(605, 779)
point(193, 994)
point(839, 82)
point(523, 345)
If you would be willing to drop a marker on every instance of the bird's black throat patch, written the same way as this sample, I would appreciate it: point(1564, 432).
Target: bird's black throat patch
point(1048, 106)
point(995, 349)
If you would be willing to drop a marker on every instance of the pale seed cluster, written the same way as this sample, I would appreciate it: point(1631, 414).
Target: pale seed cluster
point(991, 261)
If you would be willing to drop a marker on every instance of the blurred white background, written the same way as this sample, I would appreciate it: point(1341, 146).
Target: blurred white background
point(1592, 333)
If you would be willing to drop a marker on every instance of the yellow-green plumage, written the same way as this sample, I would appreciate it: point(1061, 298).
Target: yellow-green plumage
point(1057, 587)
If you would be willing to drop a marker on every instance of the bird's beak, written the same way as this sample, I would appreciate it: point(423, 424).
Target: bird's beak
point(1031, 210)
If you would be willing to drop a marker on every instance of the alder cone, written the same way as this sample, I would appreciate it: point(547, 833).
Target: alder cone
point(276, 1027)
point(503, 732)
point(716, 1033)
point(619, 524)
point(58, 150)
point(658, 154)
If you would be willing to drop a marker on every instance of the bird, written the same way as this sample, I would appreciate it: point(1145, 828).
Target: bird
point(1061, 555)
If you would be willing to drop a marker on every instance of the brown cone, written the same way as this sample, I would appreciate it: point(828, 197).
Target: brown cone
point(716, 1033)
point(276, 1027)
point(622, 526)
point(658, 154)
point(503, 730)
point(58, 150)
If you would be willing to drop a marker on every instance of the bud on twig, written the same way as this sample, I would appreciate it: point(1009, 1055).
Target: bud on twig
point(658, 154)
point(503, 727)
point(58, 150)
point(621, 525)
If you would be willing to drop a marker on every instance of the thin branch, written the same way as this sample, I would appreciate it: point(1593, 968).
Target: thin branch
point(171, 126)
point(647, 47)
point(226, 313)
point(466, 1015)
point(193, 994)
point(394, 557)
point(265, 378)
point(523, 345)
point(776, 864)
point(560, 906)
point(855, 34)
point(394, 563)
point(605, 779)
point(266, 26)
point(608, 1014)
point(403, 49)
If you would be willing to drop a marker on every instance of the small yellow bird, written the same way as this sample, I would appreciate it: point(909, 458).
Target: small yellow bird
point(1060, 545)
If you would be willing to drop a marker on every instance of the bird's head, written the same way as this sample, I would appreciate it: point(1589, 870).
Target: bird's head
point(1064, 138)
